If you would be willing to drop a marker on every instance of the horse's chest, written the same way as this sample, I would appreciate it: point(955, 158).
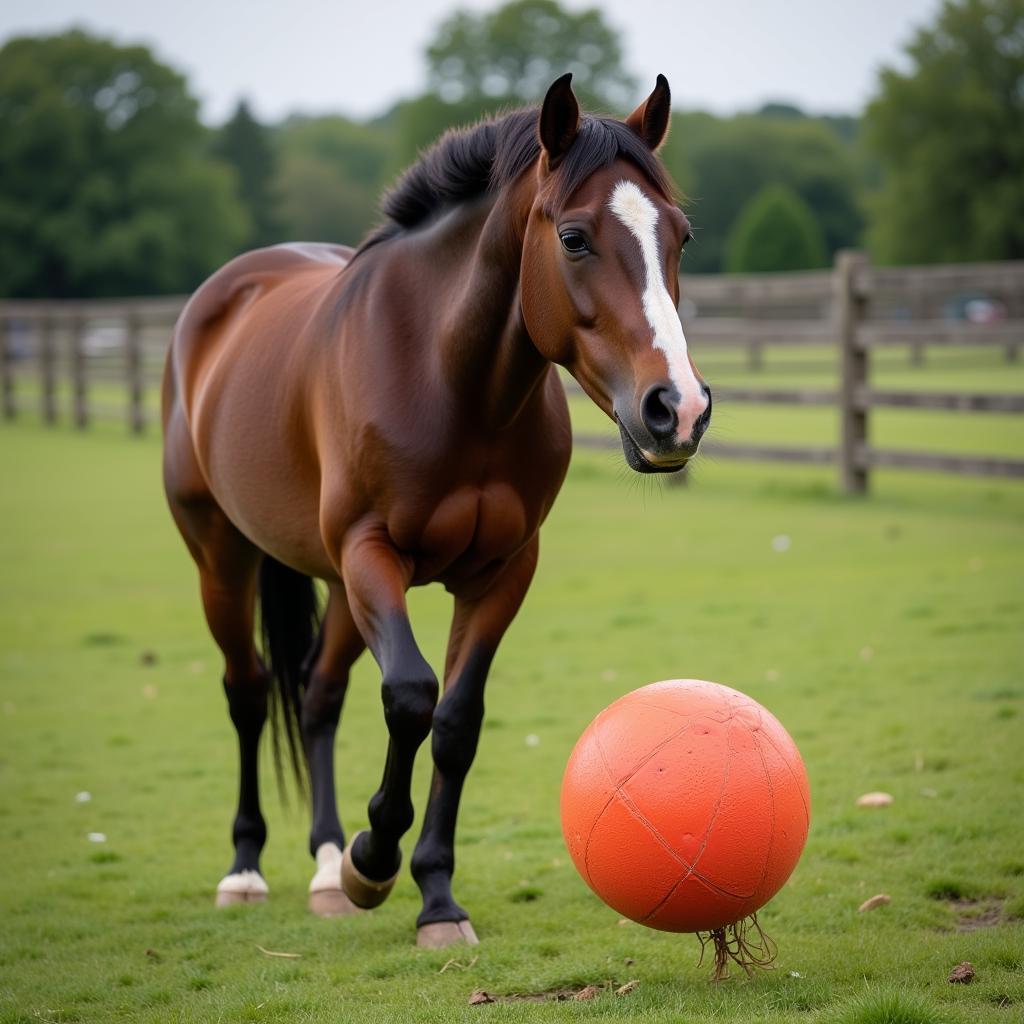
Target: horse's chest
point(465, 531)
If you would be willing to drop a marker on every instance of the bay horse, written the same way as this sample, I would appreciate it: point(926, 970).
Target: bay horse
point(392, 416)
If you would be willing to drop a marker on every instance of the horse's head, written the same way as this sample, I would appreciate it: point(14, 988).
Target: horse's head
point(600, 275)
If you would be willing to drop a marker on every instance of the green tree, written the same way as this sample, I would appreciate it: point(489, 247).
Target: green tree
point(950, 135)
point(331, 173)
point(512, 54)
point(245, 144)
point(104, 185)
point(776, 230)
point(417, 123)
point(721, 163)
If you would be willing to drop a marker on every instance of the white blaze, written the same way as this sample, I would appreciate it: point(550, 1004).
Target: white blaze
point(639, 214)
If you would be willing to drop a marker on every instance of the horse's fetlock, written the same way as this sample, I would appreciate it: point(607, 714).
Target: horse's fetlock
point(432, 859)
point(392, 818)
point(249, 828)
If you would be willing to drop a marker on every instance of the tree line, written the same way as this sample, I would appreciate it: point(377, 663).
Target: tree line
point(110, 184)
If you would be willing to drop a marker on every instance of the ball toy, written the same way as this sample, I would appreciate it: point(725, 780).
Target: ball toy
point(685, 806)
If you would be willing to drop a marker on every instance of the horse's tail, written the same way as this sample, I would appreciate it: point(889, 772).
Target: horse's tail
point(290, 621)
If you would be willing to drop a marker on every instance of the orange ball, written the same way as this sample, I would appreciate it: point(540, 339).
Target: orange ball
point(685, 805)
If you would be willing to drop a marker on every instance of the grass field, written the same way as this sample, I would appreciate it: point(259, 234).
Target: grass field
point(887, 638)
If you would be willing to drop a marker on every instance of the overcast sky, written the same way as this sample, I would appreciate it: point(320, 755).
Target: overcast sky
point(358, 58)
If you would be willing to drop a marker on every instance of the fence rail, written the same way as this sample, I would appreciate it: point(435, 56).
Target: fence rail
point(854, 308)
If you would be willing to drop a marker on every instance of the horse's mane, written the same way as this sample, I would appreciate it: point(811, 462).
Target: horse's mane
point(469, 162)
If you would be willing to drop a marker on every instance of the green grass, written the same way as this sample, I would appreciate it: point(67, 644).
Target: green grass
point(887, 639)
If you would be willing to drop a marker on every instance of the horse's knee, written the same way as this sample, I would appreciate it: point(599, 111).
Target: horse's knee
point(456, 726)
point(409, 700)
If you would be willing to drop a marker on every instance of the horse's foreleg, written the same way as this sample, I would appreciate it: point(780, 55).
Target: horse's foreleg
point(376, 578)
point(340, 646)
point(477, 629)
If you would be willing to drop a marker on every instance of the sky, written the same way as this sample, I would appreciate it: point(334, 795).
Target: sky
point(318, 56)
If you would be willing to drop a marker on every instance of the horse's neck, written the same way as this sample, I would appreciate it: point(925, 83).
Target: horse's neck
point(488, 359)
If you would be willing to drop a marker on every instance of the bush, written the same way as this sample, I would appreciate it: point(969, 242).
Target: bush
point(776, 230)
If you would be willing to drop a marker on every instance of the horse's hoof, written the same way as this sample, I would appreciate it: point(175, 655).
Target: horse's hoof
point(326, 897)
point(445, 933)
point(332, 903)
point(243, 887)
point(362, 891)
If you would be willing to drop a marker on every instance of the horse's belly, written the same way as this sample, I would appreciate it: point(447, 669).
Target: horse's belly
point(471, 530)
point(282, 521)
point(258, 470)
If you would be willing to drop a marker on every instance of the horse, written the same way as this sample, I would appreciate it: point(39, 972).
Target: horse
point(392, 416)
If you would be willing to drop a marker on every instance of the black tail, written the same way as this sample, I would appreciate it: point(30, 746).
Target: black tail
point(290, 615)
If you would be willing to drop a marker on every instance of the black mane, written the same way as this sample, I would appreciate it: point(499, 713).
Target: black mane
point(469, 162)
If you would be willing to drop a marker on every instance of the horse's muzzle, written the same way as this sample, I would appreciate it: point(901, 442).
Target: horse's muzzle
point(653, 444)
point(642, 461)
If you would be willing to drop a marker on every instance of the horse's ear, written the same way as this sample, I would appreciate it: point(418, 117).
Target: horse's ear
point(559, 119)
point(650, 119)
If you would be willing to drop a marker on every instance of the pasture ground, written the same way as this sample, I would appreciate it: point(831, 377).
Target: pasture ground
point(887, 639)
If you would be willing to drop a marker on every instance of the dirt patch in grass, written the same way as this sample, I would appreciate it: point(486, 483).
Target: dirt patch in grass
point(973, 915)
point(555, 995)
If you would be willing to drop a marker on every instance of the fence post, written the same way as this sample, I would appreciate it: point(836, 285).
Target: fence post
point(47, 371)
point(10, 407)
point(133, 368)
point(79, 384)
point(848, 311)
point(918, 311)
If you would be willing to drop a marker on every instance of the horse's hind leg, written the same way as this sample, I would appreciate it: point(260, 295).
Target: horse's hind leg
point(229, 603)
point(228, 566)
point(477, 629)
point(339, 647)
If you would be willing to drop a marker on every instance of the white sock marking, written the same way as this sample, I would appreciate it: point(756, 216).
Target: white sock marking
point(328, 868)
point(639, 214)
point(243, 881)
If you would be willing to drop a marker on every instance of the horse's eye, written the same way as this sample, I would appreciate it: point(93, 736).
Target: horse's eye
point(574, 243)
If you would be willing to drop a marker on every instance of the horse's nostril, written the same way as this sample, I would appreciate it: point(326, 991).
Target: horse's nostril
point(658, 413)
point(705, 417)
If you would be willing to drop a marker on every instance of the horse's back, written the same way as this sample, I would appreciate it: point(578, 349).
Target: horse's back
point(224, 298)
point(258, 271)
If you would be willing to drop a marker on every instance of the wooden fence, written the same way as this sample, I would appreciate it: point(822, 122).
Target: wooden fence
point(108, 352)
point(859, 309)
point(116, 348)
